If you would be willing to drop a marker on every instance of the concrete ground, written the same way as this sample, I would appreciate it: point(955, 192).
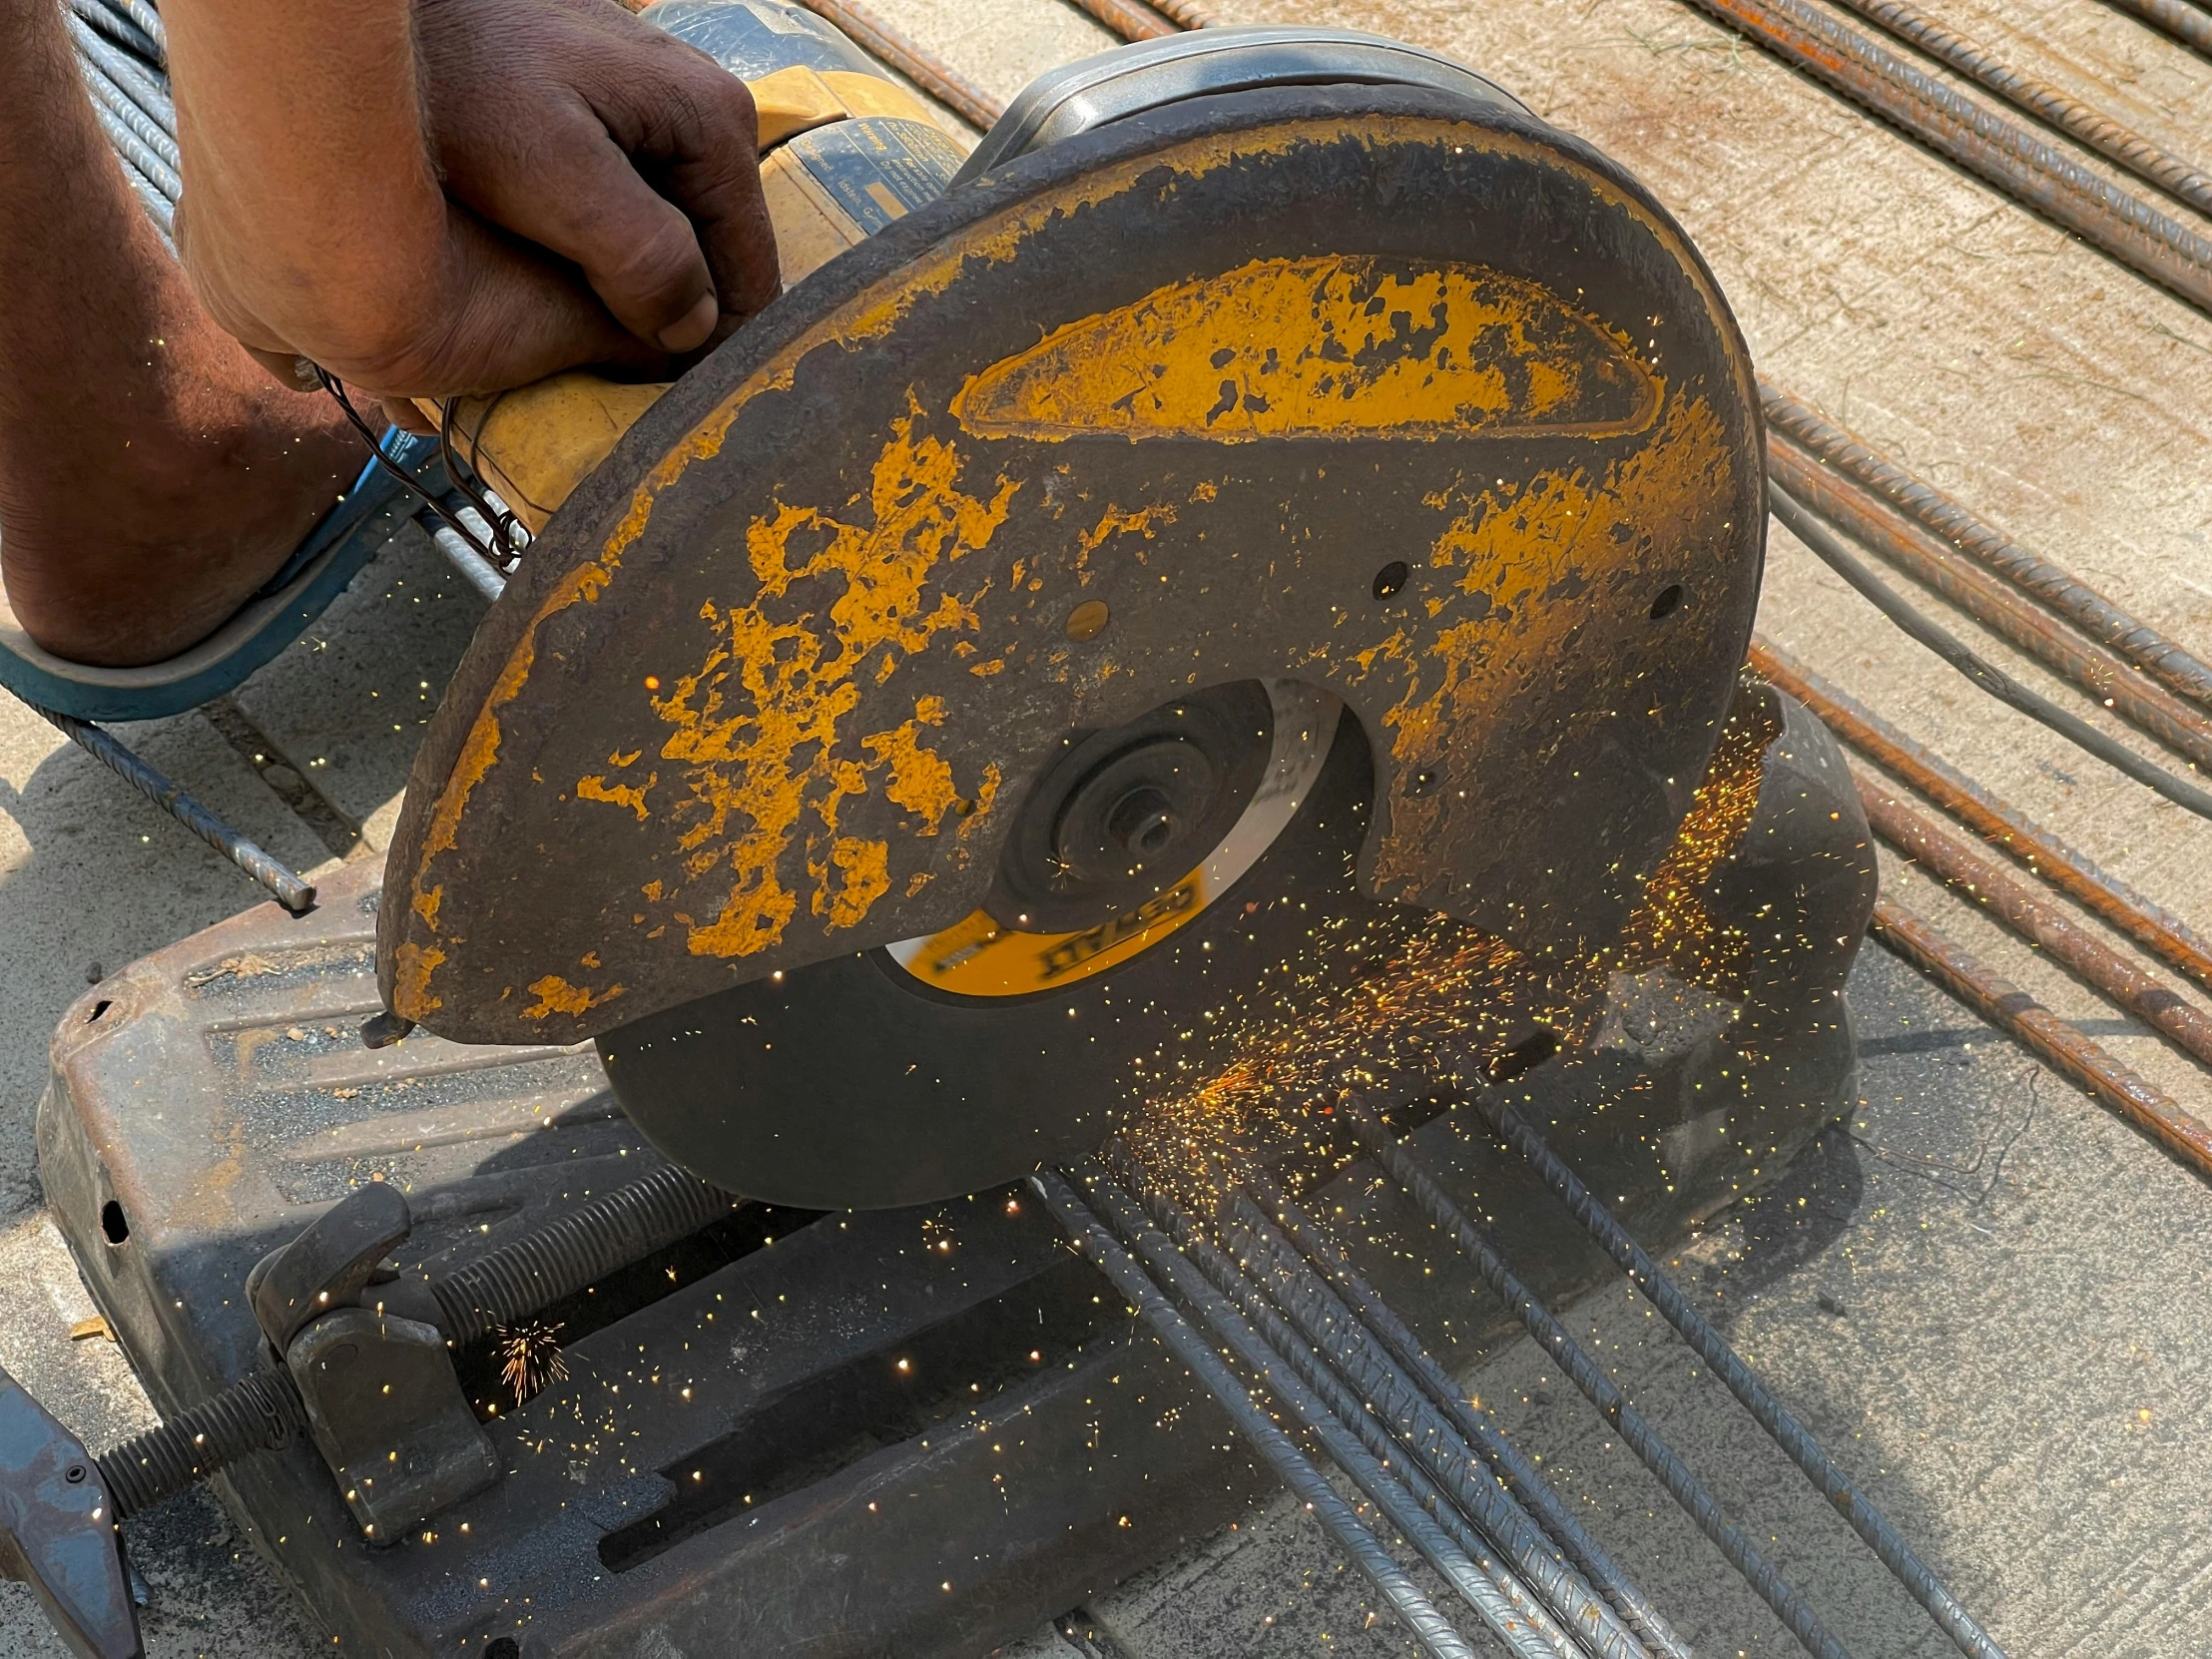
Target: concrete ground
point(1985, 1294)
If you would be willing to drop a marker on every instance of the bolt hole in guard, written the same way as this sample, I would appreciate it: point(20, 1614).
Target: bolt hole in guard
point(1669, 600)
point(1390, 578)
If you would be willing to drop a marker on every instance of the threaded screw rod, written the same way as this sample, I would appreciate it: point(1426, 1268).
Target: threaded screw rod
point(600, 1237)
point(263, 1411)
point(1772, 1415)
point(260, 1411)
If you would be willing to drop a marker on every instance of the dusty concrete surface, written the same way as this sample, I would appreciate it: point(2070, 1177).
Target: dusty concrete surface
point(2017, 1374)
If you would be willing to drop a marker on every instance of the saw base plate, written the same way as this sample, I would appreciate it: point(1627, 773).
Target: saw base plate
point(736, 1447)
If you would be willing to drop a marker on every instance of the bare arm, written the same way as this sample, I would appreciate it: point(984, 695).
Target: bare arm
point(428, 197)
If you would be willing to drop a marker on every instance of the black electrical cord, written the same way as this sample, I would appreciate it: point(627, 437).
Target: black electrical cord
point(1829, 548)
point(337, 389)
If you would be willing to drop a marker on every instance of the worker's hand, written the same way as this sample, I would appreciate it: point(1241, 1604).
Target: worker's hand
point(466, 196)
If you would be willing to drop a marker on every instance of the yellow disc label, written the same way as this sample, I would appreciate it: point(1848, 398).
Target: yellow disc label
point(978, 957)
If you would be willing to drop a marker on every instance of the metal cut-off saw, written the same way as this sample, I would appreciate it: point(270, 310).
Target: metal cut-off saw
point(1238, 582)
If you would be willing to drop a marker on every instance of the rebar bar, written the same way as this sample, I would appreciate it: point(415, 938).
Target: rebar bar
point(2021, 909)
point(286, 887)
point(2067, 596)
point(1985, 143)
point(1532, 1584)
point(1329, 1328)
point(2117, 144)
point(1187, 14)
point(2004, 827)
point(936, 77)
point(2182, 728)
point(467, 560)
point(1823, 543)
point(1600, 1390)
point(126, 110)
point(1128, 19)
point(1514, 1472)
point(1791, 1437)
point(2172, 17)
point(1298, 1471)
point(2041, 1032)
point(125, 29)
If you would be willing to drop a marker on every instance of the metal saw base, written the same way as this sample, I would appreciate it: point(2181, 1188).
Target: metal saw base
point(913, 1431)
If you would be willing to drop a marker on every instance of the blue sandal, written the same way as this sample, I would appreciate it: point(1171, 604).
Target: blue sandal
point(330, 556)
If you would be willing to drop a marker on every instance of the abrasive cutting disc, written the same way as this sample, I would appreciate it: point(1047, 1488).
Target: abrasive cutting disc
point(1393, 394)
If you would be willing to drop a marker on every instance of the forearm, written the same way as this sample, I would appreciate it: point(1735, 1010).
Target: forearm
point(301, 132)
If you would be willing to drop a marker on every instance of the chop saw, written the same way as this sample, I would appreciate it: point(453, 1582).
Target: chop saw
point(1236, 586)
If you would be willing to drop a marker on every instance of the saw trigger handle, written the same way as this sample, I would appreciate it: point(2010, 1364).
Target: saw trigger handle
point(844, 150)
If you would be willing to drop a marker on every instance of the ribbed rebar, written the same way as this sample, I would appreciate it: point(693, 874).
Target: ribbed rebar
point(1477, 1521)
point(1978, 139)
point(2088, 610)
point(2042, 1033)
point(1600, 1390)
point(259, 1412)
point(2174, 17)
point(1791, 1437)
point(1514, 1470)
point(125, 29)
point(1298, 1471)
point(2183, 727)
point(1188, 14)
point(597, 1238)
point(126, 110)
point(288, 891)
point(1328, 1326)
point(1130, 20)
point(147, 87)
point(2117, 144)
point(1825, 545)
point(2022, 910)
point(2005, 826)
point(934, 76)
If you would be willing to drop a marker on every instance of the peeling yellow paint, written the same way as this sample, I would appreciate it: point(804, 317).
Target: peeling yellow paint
point(1525, 553)
point(1341, 345)
point(759, 725)
point(631, 795)
point(556, 996)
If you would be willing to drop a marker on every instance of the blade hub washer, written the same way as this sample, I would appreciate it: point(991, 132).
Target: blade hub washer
point(1123, 816)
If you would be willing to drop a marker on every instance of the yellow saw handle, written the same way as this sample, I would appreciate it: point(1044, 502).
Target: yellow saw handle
point(535, 445)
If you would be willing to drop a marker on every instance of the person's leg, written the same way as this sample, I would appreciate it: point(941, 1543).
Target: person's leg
point(152, 475)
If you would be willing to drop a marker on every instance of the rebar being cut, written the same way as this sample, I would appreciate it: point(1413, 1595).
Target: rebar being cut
point(1514, 1472)
point(1791, 1437)
point(1298, 1471)
point(1601, 1391)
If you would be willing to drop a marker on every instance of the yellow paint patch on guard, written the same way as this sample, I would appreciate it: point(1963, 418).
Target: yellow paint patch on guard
point(759, 725)
point(556, 996)
point(631, 795)
point(1340, 347)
